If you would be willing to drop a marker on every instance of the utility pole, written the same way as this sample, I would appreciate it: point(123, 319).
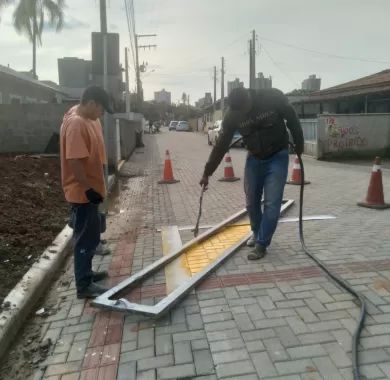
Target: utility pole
point(250, 63)
point(222, 85)
point(127, 82)
point(252, 60)
point(103, 30)
point(138, 73)
point(215, 87)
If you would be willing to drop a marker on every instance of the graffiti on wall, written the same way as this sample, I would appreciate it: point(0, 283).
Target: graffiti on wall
point(341, 138)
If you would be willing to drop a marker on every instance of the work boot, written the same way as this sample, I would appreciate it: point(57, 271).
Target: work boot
point(102, 250)
point(99, 276)
point(91, 291)
point(251, 241)
point(258, 253)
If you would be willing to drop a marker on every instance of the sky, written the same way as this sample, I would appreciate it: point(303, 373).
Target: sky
point(338, 40)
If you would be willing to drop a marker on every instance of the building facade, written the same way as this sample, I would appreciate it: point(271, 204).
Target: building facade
point(162, 96)
point(19, 88)
point(370, 94)
point(231, 85)
point(262, 82)
point(204, 102)
point(312, 83)
point(74, 72)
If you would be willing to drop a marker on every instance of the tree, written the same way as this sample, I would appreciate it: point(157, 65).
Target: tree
point(29, 19)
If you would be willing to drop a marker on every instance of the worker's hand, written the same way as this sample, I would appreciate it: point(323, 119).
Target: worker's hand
point(93, 196)
point(204, 182)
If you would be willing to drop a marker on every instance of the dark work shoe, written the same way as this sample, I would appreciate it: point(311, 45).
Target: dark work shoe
point(91, 291)
point(258, 253)
point(99, 276)
point(251, 241)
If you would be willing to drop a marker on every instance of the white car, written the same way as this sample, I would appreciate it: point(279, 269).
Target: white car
point(172, 125)
point(145, 127)
point(183, 126)
point(215, 130)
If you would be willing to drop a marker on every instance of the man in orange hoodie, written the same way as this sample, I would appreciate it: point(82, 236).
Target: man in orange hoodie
point(82, 158)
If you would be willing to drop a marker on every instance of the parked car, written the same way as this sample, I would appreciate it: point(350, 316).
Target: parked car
point(145, 127)
point(215, 130)
point(183, 126)
point(173, 125)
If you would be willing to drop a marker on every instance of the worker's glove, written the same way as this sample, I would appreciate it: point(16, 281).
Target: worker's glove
point(204, 182)
point(93, 196)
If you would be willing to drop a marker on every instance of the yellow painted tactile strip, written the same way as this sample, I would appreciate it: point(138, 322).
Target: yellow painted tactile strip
point(201, 255)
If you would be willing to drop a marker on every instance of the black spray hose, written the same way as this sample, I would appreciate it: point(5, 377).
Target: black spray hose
point(337, 279)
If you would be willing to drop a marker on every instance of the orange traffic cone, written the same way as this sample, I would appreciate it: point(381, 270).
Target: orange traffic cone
point(296, 177)
point(168, 173)
point(375, 198)
point(228, 171)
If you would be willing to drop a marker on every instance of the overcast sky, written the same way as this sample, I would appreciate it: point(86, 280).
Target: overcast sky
point(296, 38)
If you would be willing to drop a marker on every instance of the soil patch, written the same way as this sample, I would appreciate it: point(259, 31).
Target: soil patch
point(32, 212)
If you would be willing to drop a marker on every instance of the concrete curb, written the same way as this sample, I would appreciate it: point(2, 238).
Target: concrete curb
point(24, 296)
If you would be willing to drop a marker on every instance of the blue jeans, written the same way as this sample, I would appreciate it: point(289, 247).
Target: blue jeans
point(86, 234)
point(268, 176)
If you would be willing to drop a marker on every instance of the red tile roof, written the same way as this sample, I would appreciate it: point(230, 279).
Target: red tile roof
point(375, 83)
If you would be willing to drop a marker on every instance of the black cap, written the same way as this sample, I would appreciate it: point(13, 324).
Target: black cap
point(98, 95)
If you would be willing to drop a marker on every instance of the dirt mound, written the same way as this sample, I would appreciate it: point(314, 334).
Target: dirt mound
point(32, 212)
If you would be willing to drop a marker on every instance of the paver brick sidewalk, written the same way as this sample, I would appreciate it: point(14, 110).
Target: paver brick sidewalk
point(279, 318)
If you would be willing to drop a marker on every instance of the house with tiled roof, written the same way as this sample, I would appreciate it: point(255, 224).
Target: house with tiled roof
point(370, 94)
point(21, 88)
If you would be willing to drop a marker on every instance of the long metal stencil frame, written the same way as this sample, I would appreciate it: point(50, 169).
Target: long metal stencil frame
point(123, 305)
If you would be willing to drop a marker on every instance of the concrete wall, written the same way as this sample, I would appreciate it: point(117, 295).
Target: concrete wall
point(195, 124)
point(353, 135)
point(128, 134)
point(33, 128)
point(28, 128)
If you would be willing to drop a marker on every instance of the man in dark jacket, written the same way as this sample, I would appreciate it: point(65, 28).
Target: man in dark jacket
point(261, 117)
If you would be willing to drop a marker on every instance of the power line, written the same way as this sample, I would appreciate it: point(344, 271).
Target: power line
point(203, 58)
point(278, 67)
point(329, 55)
point(132, 15)
point(130, 30)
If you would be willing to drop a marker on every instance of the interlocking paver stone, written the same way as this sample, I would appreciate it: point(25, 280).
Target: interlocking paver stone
point(183, 353)
point(306, 351)
point(233, 370)
point(155, 362)
point(127, 371)
point(293, 366)
point(263, 364)
point(176, 372)
point(143, 353)
point(164, 344)
point(203, 362)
